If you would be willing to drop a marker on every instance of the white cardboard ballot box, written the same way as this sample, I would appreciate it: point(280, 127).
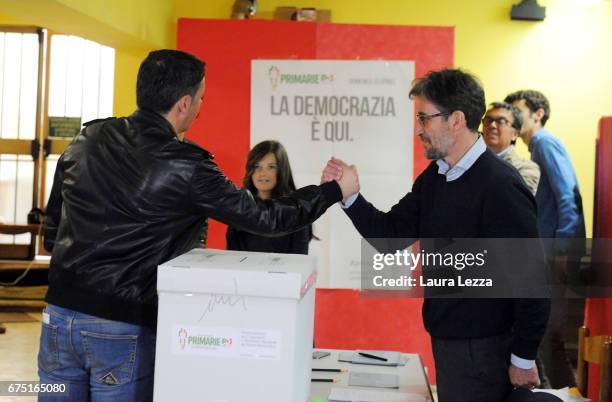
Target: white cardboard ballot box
point(234, 327)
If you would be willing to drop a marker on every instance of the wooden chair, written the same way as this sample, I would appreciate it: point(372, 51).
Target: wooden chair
point(19, 251)
point(596, 350)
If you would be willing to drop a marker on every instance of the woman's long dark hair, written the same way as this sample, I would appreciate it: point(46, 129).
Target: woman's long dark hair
point(284, 177)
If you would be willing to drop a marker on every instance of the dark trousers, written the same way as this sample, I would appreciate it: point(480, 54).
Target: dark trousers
point(472, 370)
point(552, 353)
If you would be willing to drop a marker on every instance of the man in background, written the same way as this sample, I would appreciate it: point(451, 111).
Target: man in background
point(560, 217)
point(501, 126)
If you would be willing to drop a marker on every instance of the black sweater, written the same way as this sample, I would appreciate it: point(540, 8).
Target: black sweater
point(489, 200)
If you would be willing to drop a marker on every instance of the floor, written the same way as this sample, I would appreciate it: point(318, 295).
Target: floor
point(19, 350)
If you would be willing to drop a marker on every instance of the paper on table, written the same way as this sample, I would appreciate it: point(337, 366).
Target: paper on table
point(562, 393)
point(367, 395)
point(375, 380)
point(392, 358)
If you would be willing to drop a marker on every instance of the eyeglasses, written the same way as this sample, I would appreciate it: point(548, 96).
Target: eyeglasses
point(500, 121)
point(422, 118)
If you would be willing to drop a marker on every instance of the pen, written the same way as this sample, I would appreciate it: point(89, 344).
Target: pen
point(372, 356)
point(334, 380)
point(330, 370)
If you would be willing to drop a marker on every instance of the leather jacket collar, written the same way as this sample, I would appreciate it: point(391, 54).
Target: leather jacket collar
point(156, 123)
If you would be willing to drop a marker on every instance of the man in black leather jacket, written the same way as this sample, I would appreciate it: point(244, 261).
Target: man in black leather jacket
point(128, 195)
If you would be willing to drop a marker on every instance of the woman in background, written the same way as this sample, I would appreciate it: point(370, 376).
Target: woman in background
point(268, 175)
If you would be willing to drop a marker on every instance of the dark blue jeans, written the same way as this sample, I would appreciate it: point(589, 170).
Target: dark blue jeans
point(98, 360)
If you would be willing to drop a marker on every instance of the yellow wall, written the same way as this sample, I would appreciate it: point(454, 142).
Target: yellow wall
point(126, 69)
point(143, 25)
point(117, 23)
point(567, 56)
point(147, 20)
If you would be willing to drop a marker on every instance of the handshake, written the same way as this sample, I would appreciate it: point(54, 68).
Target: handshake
point(345, 175)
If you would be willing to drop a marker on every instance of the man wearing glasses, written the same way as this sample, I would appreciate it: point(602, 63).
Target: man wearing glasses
point(481, 347)
point(501, 127)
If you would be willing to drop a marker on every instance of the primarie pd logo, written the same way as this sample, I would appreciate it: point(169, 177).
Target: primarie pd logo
point(274, 75)
point(183, 338)
point(297, 78)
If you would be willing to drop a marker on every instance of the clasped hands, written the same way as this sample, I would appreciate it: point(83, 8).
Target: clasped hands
point(345, 175)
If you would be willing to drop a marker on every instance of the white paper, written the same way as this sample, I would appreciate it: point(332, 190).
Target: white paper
point(366, 395)
point(563, 394)
point(391, 358)
point(374, 380)
point(353, 357)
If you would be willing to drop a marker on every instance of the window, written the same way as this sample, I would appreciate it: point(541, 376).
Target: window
point(65, 76)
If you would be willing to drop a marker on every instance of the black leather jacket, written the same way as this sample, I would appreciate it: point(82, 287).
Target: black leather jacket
point(128, 196)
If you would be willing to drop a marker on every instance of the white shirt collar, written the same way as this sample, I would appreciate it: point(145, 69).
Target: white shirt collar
point(464, 163)
point(505, 151)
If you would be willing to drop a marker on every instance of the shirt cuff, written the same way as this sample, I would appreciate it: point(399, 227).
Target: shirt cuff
point(348, 201)
point(521, 363)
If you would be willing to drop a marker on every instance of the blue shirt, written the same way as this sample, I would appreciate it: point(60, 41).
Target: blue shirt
point(558, 197)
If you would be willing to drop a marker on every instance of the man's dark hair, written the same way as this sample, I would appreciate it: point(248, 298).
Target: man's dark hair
point(534, 100)
point(165, 76)
point(453, 90)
